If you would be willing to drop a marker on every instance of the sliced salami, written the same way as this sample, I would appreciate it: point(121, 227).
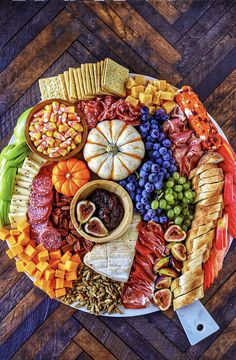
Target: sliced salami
point(42, 184)
point(38, 215)
point(50, 238)
point(36, 229)
point(37, 200)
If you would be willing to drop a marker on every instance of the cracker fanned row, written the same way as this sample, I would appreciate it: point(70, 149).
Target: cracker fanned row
point(105, 77)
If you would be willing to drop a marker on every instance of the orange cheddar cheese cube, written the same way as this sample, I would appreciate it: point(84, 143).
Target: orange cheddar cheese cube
point(38, 275)
point(60, 292)
point(38, 283)
point(17, 249)
point(23, 256)
point(23, 239)
point(76, 258)
point(4, 233)
point(20, 266)
point(49, 274)
point(45, 285)
point(71, 265)
point(42, 266)
point(53, 283)
point(11, 240)
point(29, 250)
point(30, 268)
point(51, 293)
point(23, 226)
point(60, 274)
point(35, 259)
point(53, 263)
point(43, 255)
point(40, 247)
point(66, 257)
point(14, 232)
point(68, 284)
point(59, 283)
point(10, 254)
point(56, 254)
point(61, 266)
point(71, 275)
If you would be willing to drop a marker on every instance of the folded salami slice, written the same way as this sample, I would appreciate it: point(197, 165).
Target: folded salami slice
point(50, 238)
point(39, 214)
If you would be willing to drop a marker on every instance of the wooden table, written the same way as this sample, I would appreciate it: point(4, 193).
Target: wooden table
point(183, 41)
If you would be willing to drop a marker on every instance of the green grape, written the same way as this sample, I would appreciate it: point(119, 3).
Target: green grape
point(169, 197)
point(178, 188)
point(175, 175)
point(170, 183)
point(168, 207)
point(154, 204)
point(186, 185)
point(187, 222)
point(162, 204)
point(177, 210)
point(170, 214)
point(175, 195)
point(168, 191)
point(182, 180)
point(178, 220)
point(180, 195)
point(184, 227)
point(188, 194)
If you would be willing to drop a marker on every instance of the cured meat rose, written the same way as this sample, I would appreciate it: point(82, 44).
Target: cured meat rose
point(108, 108)
point(39, 214)
point(50, 238)
point(37, 200)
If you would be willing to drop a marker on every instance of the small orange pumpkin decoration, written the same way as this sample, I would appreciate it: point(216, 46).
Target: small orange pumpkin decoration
point(68, 176)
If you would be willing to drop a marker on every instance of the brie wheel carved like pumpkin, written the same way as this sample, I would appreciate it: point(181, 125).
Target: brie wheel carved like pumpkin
point(114, 150)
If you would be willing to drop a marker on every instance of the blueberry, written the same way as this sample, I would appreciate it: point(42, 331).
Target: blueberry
point(155, 168)
point(149, 162)
point(146, 167)
point(167, 176)
point(149, 187)
point(148, 145)
point(122, 183)
point(159, 161)
point(138, 197)
point(166, 164)
point(139, 206)
point(161, 137)
point(143, 174)
point(144, 117)
point(160, 176)
point(166, 157)
point(132, 178)
point(145, 127)
point(144, 110)
point(147, 207)
point(163, 150)
point(153, 177)
point(141, 182)
point(155, 219)
point(156, 146)
point(151, 213)
point(132, 195)
point(164, 170)
point(163, 219)
point(166, 143)
point(154, 126)
point(155, 134)
point(149, 138)
point(139, 191)
point(158, 185)
point(155, 154)
point(144, 201)
point(146, 217)
point(158, 211)
point(153, 121)
point(145, 194)
point(172, 168)
point(130, 187)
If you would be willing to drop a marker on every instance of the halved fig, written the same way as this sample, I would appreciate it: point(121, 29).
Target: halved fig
point(175, 264)
point(85, 210)
point(162, 299)
point(175, 234)
point(163, 282)
point(161, 263)
point(95, 227)
point(179, 252)
point(168, 272)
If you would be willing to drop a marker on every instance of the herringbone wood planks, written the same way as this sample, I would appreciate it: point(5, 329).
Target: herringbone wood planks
point(188, 41)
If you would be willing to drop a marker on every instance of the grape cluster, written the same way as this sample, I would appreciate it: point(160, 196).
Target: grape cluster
point(145, 185)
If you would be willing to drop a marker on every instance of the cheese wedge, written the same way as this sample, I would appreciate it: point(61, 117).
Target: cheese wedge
point(16, 218)
point(114, 259)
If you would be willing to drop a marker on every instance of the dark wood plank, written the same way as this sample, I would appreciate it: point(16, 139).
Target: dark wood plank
point(111, 40)
point(103, 334)
point(182, 6)
point(229, 127)
point(8, 278)
point(212, 59)
point(27, 33)
point(9, 9)
point(29, 66)
point(194, 51)
point(226, 110)
point(88, 342)
point(84, 356)
point(27, 328)
point(167, 10)
point(72, 351)
point(146, 9)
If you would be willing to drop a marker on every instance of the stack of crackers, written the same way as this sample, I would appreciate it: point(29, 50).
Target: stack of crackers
point(105, 77)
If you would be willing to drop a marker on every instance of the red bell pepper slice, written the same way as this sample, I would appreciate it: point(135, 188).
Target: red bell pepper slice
point(221, 232)
point(228, 189)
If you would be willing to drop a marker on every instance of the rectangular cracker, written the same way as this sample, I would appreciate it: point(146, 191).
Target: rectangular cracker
point(77, 85)
point(66, 77)
point(50, 88)
point(81, 85)
point(114, 78)
point(88, 82)
point(92, 78)
point(63, 86)
point(73, 94)
point(83, 74)
point(100, 69)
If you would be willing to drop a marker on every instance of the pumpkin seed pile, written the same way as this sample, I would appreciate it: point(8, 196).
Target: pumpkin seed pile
point(96, 292)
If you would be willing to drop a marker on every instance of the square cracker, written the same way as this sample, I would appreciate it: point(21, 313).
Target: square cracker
point(114, 78)
point(50, 88)
point(72, 94)
point(99, 80)
point(63, 86)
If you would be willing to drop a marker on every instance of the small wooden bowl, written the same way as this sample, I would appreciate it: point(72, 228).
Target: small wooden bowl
point(40, 106)
point(90, 187)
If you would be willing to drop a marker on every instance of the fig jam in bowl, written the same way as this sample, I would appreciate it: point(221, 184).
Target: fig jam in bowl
point(113, 210)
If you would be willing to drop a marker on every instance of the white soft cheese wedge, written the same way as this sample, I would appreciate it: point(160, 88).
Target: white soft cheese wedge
point(114, 259)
